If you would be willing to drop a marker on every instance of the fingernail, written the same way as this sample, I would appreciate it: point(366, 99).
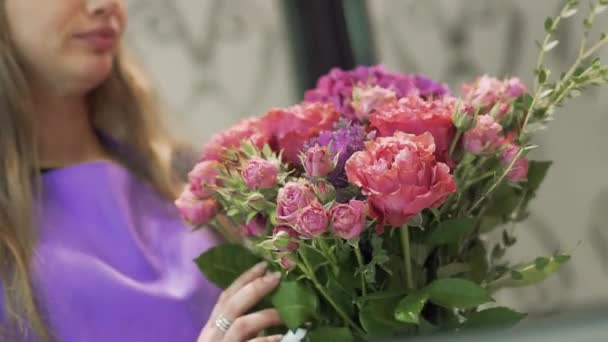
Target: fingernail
point(272, 277)
point(278, 338)
point(260, 266)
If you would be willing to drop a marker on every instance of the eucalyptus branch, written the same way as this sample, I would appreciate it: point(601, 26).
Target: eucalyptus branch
point(567, 82)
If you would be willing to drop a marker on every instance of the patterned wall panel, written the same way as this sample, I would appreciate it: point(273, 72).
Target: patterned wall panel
point(213, 61)
point(454, 40)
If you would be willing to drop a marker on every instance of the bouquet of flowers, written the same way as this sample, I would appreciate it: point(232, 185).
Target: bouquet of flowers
point(376, 194)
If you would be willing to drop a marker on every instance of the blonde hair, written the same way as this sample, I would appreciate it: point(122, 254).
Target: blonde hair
point(122, 109)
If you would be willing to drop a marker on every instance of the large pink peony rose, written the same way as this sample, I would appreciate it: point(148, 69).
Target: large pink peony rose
point(348, 219)
point(292, 127)
point(400, 176)
point(293, 197)
point(415, 115)
point(203, 176)
point(260, 173)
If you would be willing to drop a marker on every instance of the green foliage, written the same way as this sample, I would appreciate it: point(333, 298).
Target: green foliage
point(224, 263)
point(296, 303)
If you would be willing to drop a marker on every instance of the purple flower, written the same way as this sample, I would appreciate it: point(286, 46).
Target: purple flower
point(337, 86)
point(346, 139)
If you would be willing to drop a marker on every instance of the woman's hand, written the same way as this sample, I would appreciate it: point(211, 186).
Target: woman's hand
point(229, 312)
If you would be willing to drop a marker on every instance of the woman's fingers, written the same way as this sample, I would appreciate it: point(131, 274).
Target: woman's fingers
point(250, 295)
point(274, 338)
point(248, 326)
point(245, 278)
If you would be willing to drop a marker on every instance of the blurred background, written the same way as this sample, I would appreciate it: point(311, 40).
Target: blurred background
point(217, 61)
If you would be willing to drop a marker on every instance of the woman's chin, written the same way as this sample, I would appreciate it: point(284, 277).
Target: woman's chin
point(91, 74)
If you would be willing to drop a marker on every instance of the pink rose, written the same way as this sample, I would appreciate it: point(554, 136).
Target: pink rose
point(292, 127)
point(312, 220)
point(416, 116)
point(366, 100)
point(253, 130)
point(519, 171)
point(291, 198)
point(400, 176)
point(318, 162)
point(486, 92)
point(255, 228)
point(514, 88)
point(196, 211)
point(286, 238)
point(484, 137)
point(260, 173)
point(348, 220)
point(203, 176)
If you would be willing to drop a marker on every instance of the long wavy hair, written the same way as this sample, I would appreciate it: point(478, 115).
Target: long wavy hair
point(122, 109)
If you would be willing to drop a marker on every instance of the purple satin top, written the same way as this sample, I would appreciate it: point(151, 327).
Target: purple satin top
point(115, 262)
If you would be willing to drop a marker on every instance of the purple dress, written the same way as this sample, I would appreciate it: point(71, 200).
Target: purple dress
point(114, 261)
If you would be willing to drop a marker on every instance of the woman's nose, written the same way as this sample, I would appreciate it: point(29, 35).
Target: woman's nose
point(102, 7)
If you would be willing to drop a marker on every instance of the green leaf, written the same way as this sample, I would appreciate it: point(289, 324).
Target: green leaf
point(451, 231)
point(540, 263)
point(561, 258)
point(504, 200)
point(529, 274)
point(537, 171)
point(409, 308)
point(267, 151)
point(296, 303)
point(567, 13)
point(477, 257)
point(542, 75)
point(314, 257)
point(549, 27)
point(457, 293)
point(224, 263)
point(340, 294)
point(452, 269)
point(587, 23)
point(333, 334)
point(517, 275)
point(550, 45)
point(377, 318)
point(499, 316)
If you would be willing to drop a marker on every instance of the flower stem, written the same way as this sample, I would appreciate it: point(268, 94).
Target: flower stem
point(455, 142)
point(223, 225)
point(360, 261)
point(309, 272)
point(498, 182)
point(405, 243)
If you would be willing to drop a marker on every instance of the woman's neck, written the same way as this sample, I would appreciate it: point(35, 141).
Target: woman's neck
point(65, 132)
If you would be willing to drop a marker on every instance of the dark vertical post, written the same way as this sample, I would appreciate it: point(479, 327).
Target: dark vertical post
point(325, 34)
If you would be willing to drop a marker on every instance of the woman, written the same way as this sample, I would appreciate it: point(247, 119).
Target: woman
point(91, 248)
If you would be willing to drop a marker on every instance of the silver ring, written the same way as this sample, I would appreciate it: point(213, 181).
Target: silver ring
point(223, 323)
